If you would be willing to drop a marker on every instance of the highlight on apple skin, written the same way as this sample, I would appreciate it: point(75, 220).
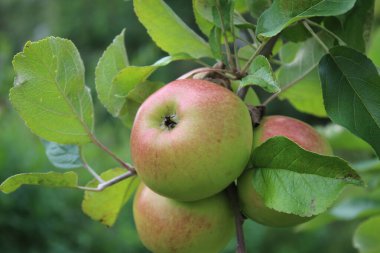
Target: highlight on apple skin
point(165, 225)
point(191, 139)
point(301, 133)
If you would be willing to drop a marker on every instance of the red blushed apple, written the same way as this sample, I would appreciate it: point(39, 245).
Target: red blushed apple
point(191, 139)
point(165, 225)
point(301, 133)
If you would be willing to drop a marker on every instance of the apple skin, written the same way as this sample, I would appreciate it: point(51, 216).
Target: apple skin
point(206, 148)
point(165, 225)
point(301, 133)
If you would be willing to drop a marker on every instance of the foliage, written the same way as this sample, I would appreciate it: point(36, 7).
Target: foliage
point(51, 96)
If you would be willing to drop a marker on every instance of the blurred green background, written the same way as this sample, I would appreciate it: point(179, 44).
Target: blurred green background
point(50, 220)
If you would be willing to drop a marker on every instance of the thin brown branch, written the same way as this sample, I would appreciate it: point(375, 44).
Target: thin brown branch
point(239, 220)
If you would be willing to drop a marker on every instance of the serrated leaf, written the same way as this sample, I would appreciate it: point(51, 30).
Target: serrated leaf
point(282, 13)
point(49, 92)
point(105, 206)
point(168, 31)
point(50, 179)
point(351, 88)
point(292, 180)
point(112, 61)
point(306, 95)
point(63, 156)
point(261, 74)
point(367, 236)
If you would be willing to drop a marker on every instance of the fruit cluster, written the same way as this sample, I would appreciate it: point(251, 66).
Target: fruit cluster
point(190, 141)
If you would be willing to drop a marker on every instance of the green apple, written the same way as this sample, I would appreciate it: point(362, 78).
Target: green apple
point(301, 133)
point(191, 139)
point(165, 225)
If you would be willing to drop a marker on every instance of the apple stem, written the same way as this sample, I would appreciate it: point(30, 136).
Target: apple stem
point(239, 219)
point(106, 184)
point(114, 156)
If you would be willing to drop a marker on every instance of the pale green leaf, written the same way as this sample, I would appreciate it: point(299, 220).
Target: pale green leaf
point(299, 73)
point(260, 73)
point(112, 61)
point(168, 31)
point(105, 206)
point(282, 13)
point(293, 180)
point(49, 91)
point(50, 179)
point(367, 236)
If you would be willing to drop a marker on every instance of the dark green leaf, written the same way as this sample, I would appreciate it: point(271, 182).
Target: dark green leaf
point(293, 180)
point(169, 32)
point(260, 73)
point(257, 7)
point(112, 61)
point(357, 26)
point(49, 91)
point(367, 236)
point(282, 13)
point(63, 156)
point(50, 179)
point(105, 206)
point(351, 88)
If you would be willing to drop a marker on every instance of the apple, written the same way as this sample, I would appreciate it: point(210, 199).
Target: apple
point(191, 139)
point(301, 133)
point(165, 225)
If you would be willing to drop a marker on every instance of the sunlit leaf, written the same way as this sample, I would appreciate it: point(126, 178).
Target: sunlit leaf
point(168, 31)
point(367, 236)
point(292, 180)
point(105, 206)
point(50, 179)
point(49, 91)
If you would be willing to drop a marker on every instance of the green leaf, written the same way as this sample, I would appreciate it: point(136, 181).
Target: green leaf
point(63, 156)
point(112, 61)
point(135, 98)
point(105, 206)
point(357, 26)
point(301, 59)
point(367, 236)
point(293, 180)
point(204, 24)
point(282, 13)
point(374, 48)
point(50, 179)
point(215, 42)
point(341, 139)
point(129, 77)
point(168, 31)
point(351, 88)
point(257, 7)
point(49, 91)
point(260, 73)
